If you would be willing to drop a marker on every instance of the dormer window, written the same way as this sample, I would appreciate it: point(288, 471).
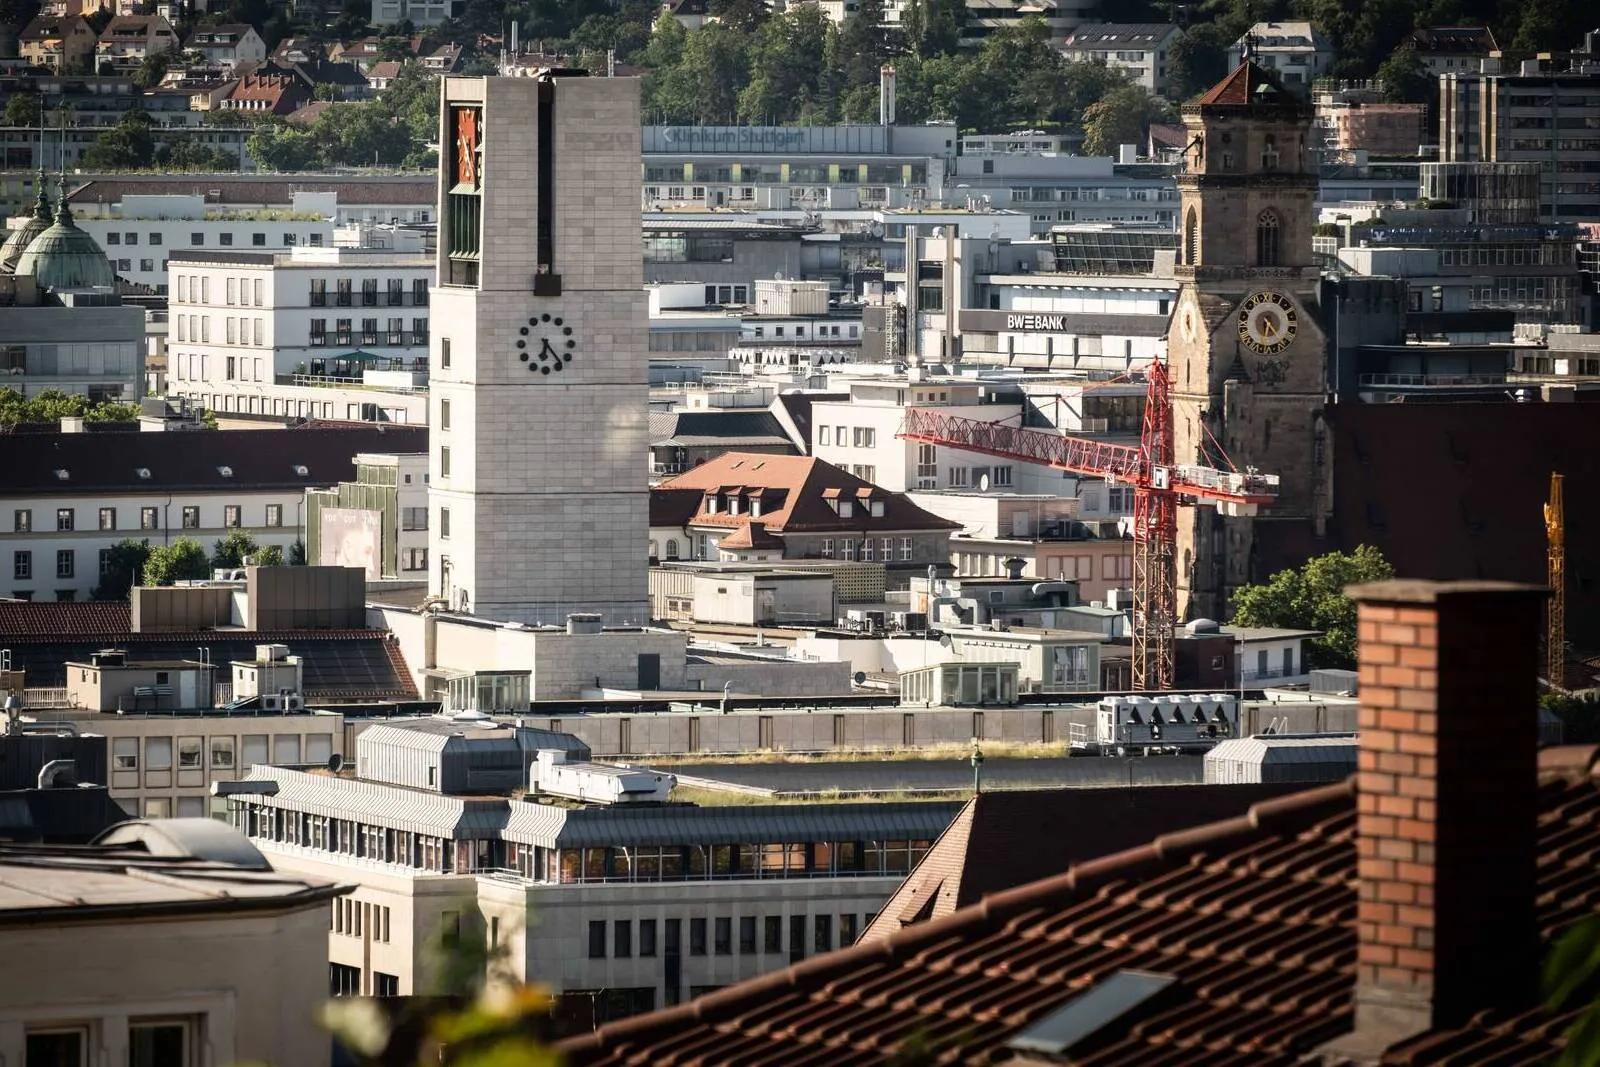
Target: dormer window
point(847, 508)
point(733, 504)
point(755, 507)
point(712, 500)
point(877, 509)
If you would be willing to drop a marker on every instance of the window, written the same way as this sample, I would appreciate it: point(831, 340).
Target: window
point(22, 520)
point(22, 565)
point(191, 518)
point(232, 290)
point(419, 294)
point(343, 981)
point(66, 518)
point(444, 462)
point(397, 292)
point(385, 985)
point(190, 753)
point(67, 1047)
point(396, 331)
point(319, 331)
point(65, 563)
point(905, 548)
point(419, 332)
point(149, 518)
point(158, 753)
point(825, 435)
point(113, 238)
point(622, 939)
point(108, 518)
point(227, 240)
point(827, 548)
point(1267, 239)
point(597, 939)
point(773, 934)
point(647, 937)
point(222, 753)
point(319, 293)
point(747, 935)
point(342, 292)
point(274, 515)
point(369, 331)
point(341, 331)
point(288, 240)
point(723, 943)
point(824, 932)
point(197, 239)
point(847, 930)
point(369, 292)
point(444, 522)
point(125, 754)
point(697, 937)
point(231, 515)
point(157, 808)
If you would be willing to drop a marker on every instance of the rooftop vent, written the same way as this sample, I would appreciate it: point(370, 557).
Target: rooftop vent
point(226, 472)
point(1089, 1013)
point(143, 473)
point(1204, 626)
point(301, 469)
point(62, 474)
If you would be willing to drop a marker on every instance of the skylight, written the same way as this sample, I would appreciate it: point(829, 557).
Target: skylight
point(1091, 1012)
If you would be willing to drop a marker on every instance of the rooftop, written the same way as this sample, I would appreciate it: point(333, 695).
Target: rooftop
point(1254, 918)
point(173, 868)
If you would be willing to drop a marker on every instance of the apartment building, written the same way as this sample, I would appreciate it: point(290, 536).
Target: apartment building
point(330, 332)
point(128, 39)
point(163, 943)
point(61, 43)
point(1138, 49)
point(68, 498)
point(1547, 111)
point(1297, 52)
point(228, 45)
point(418, 13)
point(631, 906)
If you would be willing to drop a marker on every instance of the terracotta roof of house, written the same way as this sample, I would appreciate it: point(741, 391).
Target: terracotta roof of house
point(1254, 916)
point(751, 535)
point(45, 27)
point(1168, 136)
point(227, 36)
point(794, 495)
point(308, 112)
point(995, 844)
point(148, 463)
point(387, 68)
point(1249, 85)
point(132, 26)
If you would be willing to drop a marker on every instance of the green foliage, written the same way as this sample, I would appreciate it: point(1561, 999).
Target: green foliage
point(1580, 719)
point(52, 405)
point(231, 550)
point(189, 154)
point(297, 553)
point(23, 109)
point(393, 130)
point(1404, 78)
point(1197, 60)
point(129, 145)
point(184, 559)
point(151, 70)
point(121, 569)
point(1121, 117)
point(1572, 981)
point(1313, 598)
point(277, 145)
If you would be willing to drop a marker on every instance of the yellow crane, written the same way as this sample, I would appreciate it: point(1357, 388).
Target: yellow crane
point(1555, 530)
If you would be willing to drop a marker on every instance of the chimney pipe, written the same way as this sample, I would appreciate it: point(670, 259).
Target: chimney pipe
point(886, 95)
point(1447, 806)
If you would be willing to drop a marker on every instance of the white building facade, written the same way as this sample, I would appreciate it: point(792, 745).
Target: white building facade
point(316, 332)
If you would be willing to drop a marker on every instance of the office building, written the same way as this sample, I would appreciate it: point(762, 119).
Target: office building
point(69, 497)
point(634, 904)
point(1545, 112)
point(314, 332)
point(539, 486)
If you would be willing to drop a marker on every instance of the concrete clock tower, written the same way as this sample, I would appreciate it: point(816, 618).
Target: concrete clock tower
point(1245, 347)
point(537, 428)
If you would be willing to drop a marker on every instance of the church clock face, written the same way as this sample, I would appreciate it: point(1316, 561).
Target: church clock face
point(1268, 322)
point(546, 345)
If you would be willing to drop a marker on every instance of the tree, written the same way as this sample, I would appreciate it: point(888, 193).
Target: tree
point(1313, 598)
point(23, 109)
point(1121, 117)
point(53, 405)
point(281, 147)
point(1571, 976)
point(182, 560)
point(128, 145)
point(297, 553)
point(151, 70)
point(1196, 61)
point(231, 550)
point(1404, 79)
point(123, 566)
point(190, 154)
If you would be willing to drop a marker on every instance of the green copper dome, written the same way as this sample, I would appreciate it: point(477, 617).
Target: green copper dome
point(19, 240)
point(64, 257)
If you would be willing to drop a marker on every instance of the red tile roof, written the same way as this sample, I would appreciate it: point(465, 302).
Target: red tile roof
point(1254, 916)
point(1249, 84)
point(20, 620)
point(794, 493)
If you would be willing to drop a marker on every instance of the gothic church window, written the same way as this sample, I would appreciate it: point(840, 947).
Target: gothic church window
point(1267, 239)
point(1191, 239)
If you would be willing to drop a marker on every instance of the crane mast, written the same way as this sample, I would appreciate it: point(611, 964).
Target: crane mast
point(1159, 485)
point(1555, 528)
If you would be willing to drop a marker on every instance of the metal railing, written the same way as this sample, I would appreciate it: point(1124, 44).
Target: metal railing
point(47, 698)
point(1416, 380)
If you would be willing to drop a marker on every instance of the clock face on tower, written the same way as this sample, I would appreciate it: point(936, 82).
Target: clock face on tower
point(1267, 322)
point(545, 345)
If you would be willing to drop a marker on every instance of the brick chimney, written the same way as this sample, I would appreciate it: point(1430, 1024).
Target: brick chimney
point(1447, 806)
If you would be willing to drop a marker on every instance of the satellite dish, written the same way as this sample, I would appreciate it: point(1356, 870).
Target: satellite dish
point(983, 484)
point(335, 763)
point(860, 677)
point(944, 641)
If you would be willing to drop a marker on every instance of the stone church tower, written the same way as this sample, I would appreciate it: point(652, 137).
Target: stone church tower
point(1245, 346)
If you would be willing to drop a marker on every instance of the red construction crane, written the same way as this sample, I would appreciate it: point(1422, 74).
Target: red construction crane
point(1159, 486)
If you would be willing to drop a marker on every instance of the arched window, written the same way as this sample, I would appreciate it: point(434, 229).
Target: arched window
point(1191, 240)
point(1268, 245)
point(1269, 153)
point(672, 548)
